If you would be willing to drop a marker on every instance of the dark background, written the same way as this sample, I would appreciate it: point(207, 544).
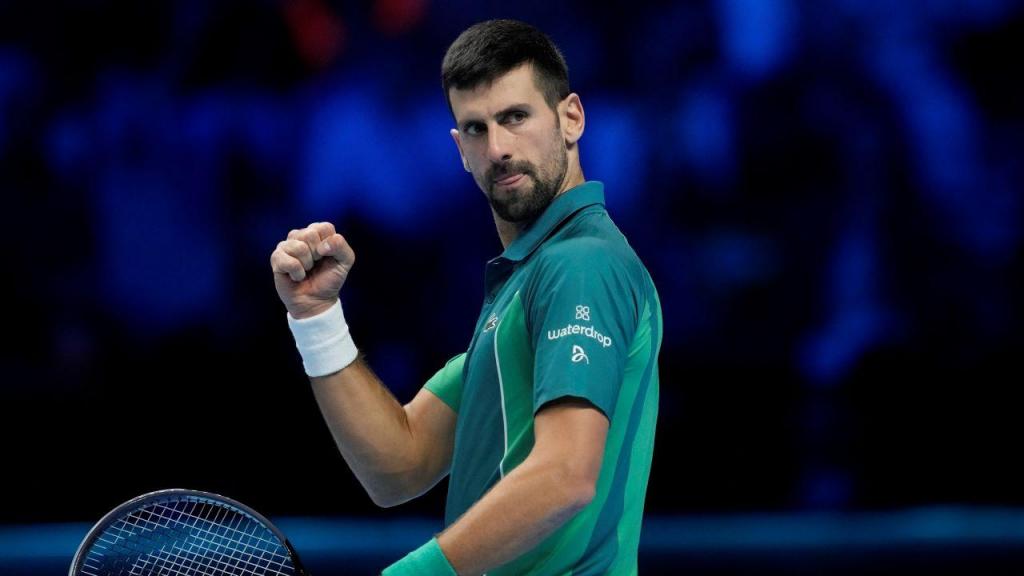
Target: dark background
point(827, 195)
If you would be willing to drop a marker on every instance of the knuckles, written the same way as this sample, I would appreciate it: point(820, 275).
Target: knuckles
point(303, 244)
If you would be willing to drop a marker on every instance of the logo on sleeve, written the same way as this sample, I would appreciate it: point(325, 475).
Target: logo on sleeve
point(582, 313)
point(492, 321)
point(578, 355)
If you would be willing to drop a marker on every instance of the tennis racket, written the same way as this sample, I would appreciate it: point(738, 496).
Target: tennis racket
point(185, 533)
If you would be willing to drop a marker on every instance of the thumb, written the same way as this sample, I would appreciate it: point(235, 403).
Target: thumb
point(338, 248)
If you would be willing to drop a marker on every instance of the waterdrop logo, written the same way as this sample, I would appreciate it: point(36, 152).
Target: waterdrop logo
point(578, 355)
point(573, 329)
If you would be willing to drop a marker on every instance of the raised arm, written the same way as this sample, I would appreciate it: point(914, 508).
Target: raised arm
point(397, 452)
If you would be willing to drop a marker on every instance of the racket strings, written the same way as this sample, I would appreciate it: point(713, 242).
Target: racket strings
point(226, 538)
point(225, 547)
point(190, 537)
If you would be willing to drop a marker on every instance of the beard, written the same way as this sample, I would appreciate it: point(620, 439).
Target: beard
point(525, 203)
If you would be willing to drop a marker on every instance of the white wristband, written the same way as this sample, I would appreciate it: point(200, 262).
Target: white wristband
point(323, 341)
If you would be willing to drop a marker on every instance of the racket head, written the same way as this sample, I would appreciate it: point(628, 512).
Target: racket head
point(184, 532)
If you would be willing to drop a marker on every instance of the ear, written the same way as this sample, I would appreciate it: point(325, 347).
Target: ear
point(573, 119)
point(458, 144)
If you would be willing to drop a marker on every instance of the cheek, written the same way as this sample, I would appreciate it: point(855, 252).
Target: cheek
point(476, 154)
point(479, 172)
point(548, 151)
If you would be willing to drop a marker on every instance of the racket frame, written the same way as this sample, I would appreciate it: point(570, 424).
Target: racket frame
point(170, 493)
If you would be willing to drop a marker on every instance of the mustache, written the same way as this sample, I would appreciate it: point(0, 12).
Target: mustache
point(498, 171)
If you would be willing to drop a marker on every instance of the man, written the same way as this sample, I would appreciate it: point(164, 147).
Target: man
point(546, 423)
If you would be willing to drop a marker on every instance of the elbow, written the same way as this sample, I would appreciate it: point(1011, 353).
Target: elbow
point(390, 497)
point(578, 488)
point(381, 493)
point(382, 502)
point(581, 495)
point(388, 500)
point(398, 487)
point(571, 483)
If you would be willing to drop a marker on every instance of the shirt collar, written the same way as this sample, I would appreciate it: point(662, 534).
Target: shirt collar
point(560, 209)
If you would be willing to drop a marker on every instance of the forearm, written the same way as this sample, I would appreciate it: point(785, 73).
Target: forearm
point(372, 431)
point(382, 441)
point(523, 509)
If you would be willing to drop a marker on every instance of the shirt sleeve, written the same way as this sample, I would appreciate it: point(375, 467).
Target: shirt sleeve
point(581, 316)
point(446, 384)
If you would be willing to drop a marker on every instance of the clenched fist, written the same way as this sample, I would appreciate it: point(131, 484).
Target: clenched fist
point(310, 267)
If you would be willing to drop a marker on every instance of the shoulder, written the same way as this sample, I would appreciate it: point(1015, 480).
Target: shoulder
point(587, 262)
point(590, 243)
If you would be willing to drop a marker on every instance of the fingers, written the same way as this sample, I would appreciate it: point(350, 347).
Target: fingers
point(321, 230)
point(324, 229)
point(293, 257)
point(312, 235)
point(323, 240)
point(284, 261)
point(304, 247)
point(338, 248)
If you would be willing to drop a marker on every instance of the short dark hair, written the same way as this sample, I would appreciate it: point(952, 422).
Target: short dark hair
point(487, 50)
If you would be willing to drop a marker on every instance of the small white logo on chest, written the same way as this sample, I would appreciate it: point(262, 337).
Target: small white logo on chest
point(492, 321)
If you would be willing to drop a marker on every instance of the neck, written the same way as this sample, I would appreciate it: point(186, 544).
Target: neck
point(509, 231)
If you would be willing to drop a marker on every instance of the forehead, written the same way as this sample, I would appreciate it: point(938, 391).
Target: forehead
point(517, 86)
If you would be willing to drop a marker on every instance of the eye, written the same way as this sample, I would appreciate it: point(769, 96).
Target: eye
point(473, 129)
point(517, 117)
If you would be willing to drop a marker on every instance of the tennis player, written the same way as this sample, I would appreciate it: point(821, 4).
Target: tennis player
point(545, 424)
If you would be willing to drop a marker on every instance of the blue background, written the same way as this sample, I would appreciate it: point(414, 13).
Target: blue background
point(827, 195)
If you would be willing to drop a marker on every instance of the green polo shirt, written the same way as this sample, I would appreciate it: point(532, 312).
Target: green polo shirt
point(569, 311)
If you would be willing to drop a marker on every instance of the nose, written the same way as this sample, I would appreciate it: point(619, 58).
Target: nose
point(499, 144)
